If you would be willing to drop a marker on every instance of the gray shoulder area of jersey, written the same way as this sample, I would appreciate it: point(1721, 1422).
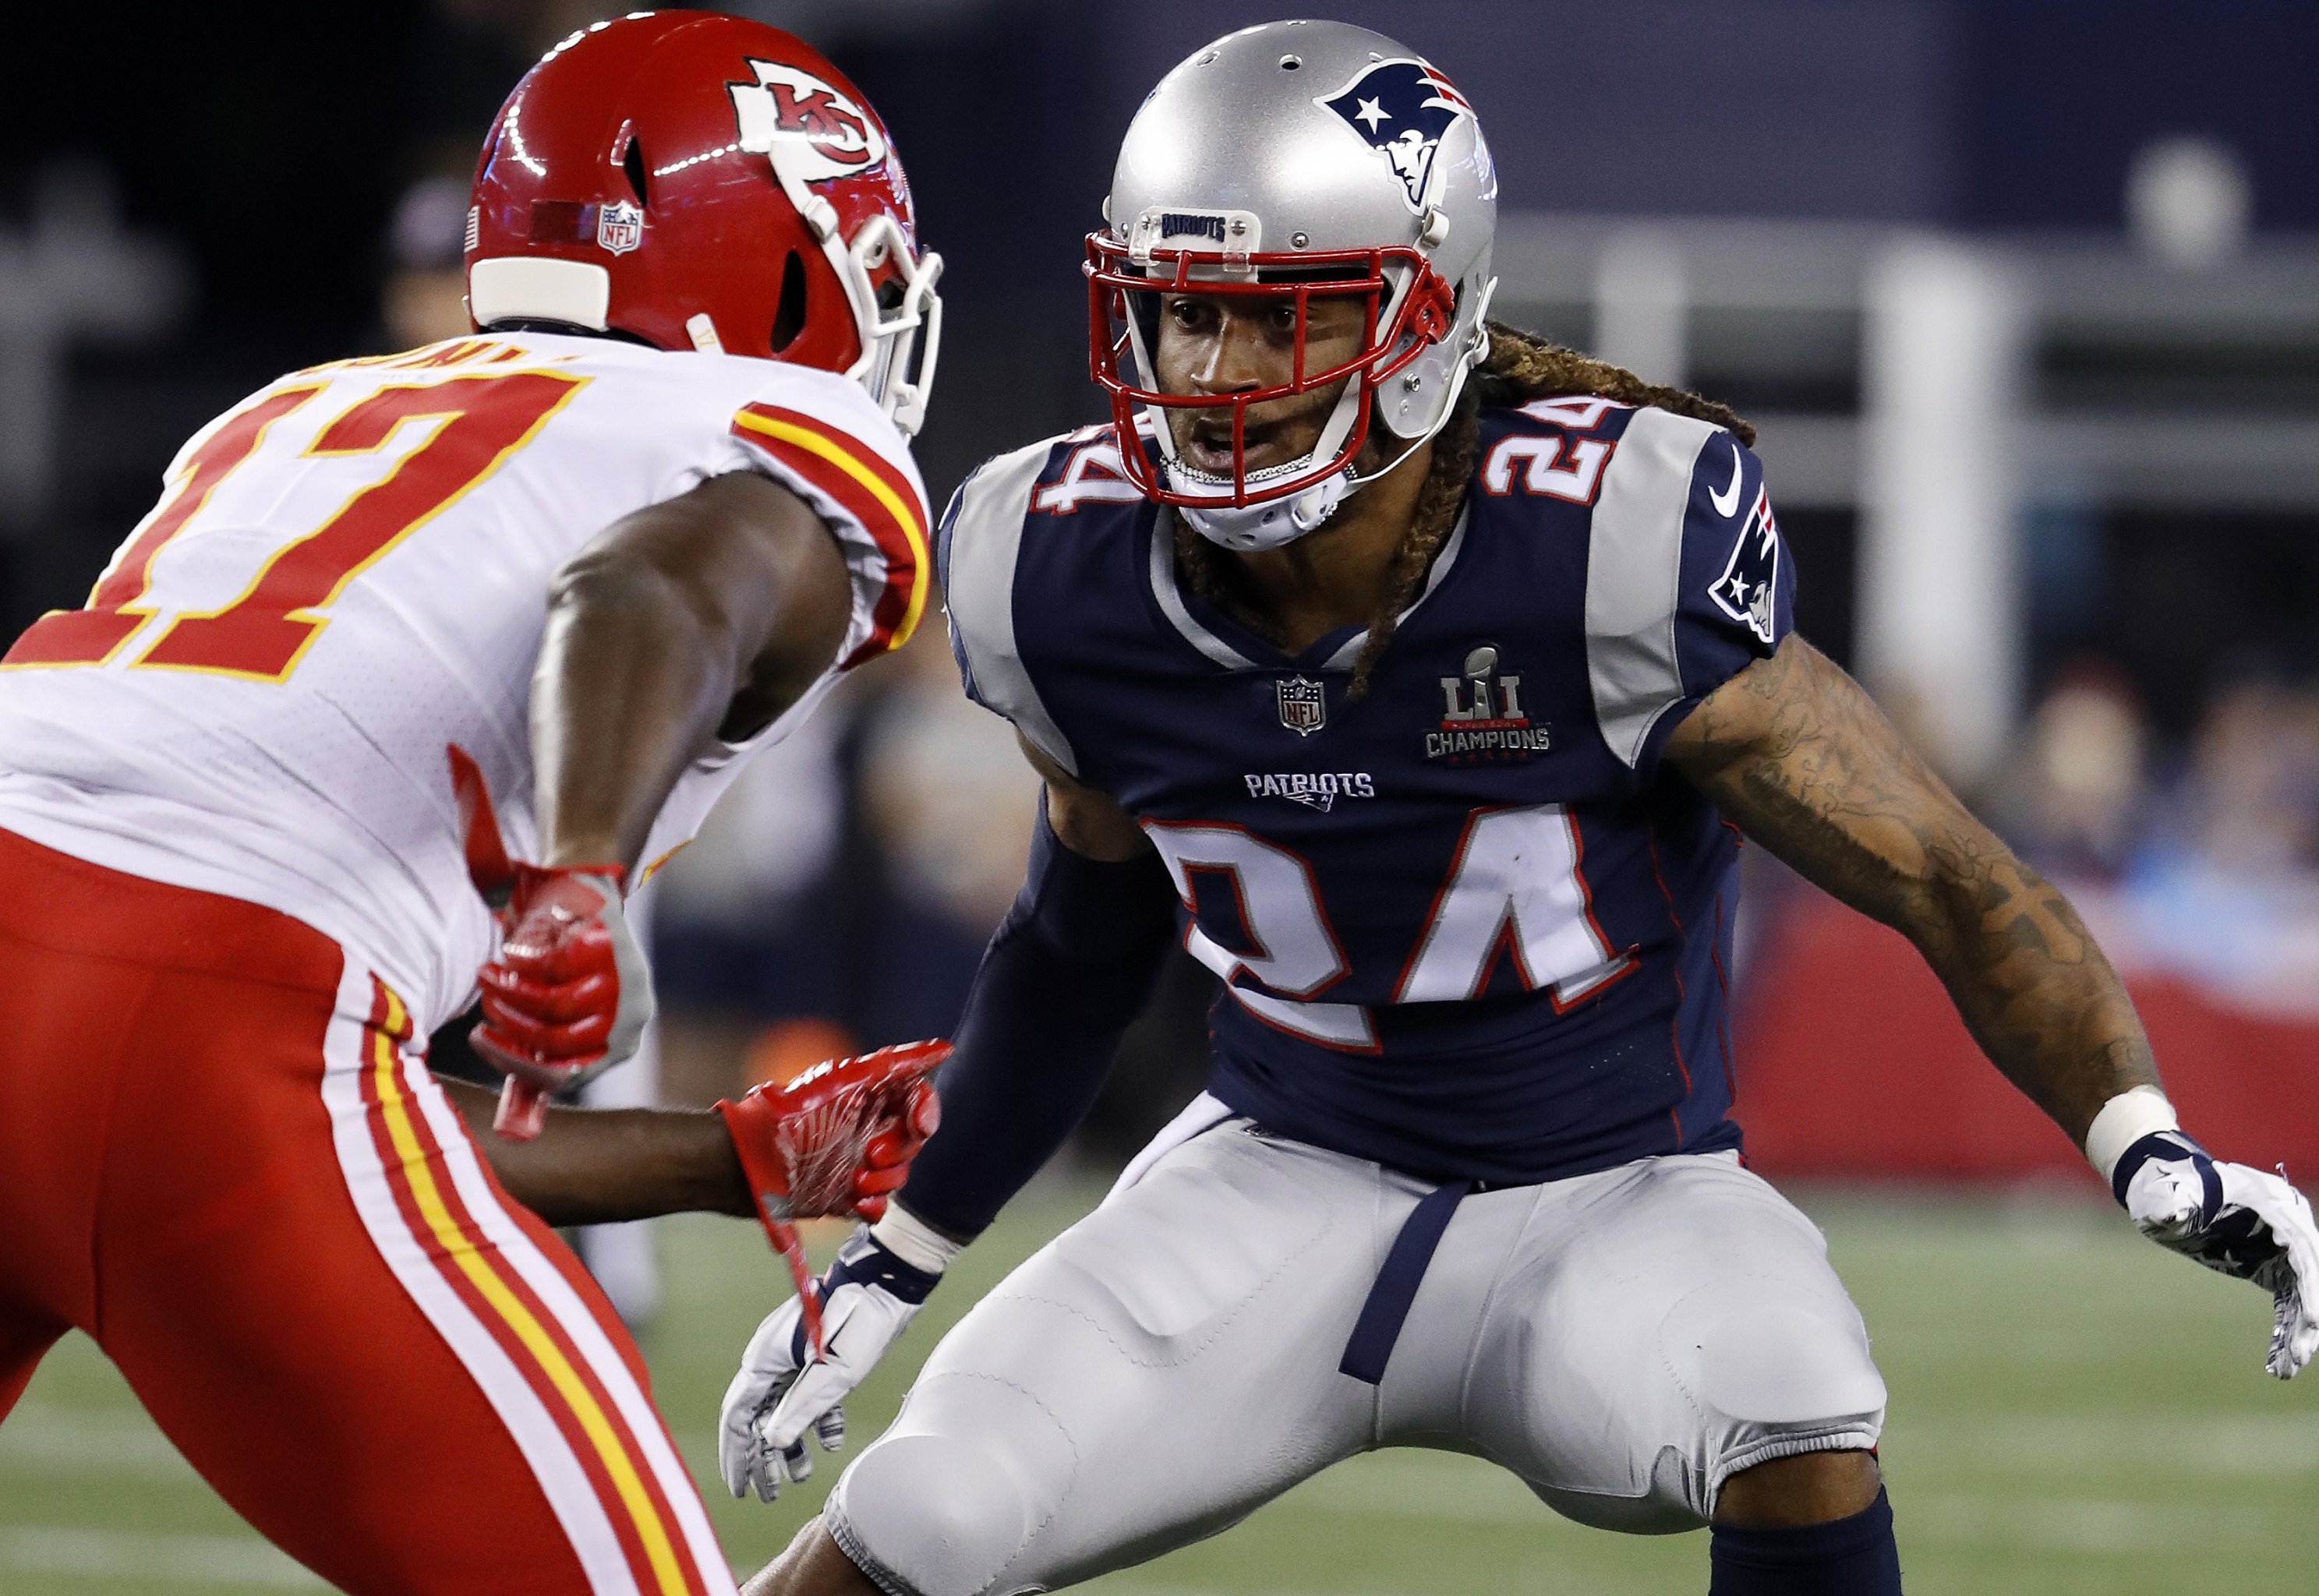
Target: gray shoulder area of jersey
point(986, 538)
point(1634, 573)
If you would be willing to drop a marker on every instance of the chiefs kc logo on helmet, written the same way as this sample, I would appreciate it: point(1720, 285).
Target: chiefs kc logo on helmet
point(832, 134)
point(1402, 109)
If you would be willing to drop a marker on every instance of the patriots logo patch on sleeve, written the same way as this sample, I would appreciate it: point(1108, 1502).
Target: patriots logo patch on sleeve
point(1402, 109)
point(1751, 575)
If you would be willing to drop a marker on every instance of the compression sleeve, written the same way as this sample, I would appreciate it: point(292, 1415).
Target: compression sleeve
point(1067, 970)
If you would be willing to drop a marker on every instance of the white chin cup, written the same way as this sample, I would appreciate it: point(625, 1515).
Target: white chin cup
point(1246, 528)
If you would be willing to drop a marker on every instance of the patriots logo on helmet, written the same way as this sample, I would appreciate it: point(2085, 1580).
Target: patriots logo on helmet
point(1402, 109)
point(1751, 575)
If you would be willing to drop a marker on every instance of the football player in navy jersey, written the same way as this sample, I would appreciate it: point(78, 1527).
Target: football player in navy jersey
point(1425, 676)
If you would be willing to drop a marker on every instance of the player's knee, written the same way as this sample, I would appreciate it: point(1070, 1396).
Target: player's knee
point(1786, 1365)
point(933, 1515)
point(1803, 1488)
point(1777, 1372)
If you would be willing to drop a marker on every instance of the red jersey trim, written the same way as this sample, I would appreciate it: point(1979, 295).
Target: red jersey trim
point(873, 492)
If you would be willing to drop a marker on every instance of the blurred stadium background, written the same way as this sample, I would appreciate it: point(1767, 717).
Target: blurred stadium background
point(2024, 295)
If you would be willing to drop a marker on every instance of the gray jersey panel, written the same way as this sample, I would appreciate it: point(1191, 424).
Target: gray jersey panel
point(985, 540)
point(1634, 564)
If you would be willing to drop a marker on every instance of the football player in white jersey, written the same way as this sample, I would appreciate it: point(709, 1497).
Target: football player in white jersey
point(565, 575)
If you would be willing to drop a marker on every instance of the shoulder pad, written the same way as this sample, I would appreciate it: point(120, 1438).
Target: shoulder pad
point(1550, 448)
point(981, 541)
point(1089, 472)
point(1566, 413)
point(826, 441)
point(1680, 524)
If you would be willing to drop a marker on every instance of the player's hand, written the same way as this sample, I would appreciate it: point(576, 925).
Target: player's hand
point(834, 1140)
point(2234, 1219)
point(568, 994)
point(868, 1297)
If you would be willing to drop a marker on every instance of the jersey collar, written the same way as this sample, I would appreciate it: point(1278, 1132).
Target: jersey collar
point(1233, 647)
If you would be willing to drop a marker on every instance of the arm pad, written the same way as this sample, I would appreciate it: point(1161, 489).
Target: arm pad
point(1067, 970)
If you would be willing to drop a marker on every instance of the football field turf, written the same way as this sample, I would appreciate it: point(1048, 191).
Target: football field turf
point(2071, 1411)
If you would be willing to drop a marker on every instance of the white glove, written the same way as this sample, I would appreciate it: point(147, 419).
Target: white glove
point(868, 1297)
point(2234, 1219)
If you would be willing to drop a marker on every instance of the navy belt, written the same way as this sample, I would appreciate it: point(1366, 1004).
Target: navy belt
point(1397, 1280)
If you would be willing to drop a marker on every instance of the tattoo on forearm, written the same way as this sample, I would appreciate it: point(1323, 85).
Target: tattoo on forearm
point(1801, 759)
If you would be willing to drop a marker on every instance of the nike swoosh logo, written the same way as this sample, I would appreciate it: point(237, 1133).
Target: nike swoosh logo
point(1727, 502)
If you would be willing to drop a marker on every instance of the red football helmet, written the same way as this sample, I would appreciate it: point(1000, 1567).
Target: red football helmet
point(704, 182)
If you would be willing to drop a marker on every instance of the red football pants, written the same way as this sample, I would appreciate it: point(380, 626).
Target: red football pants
point(221, 1157)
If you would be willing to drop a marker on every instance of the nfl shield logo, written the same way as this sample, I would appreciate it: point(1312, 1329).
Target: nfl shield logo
point(620, 227)
point(1304, 706)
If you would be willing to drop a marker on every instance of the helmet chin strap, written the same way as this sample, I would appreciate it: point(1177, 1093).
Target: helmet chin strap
point(1247, 528)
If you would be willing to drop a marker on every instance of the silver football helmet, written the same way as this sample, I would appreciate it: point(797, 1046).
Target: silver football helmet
point(1287, 162)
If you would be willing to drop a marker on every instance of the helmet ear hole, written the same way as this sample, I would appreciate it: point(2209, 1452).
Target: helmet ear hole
point(632, 164)
point(788, 313)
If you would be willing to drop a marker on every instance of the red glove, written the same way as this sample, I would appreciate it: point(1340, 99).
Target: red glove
point(835, 1140)
point(567, 996)
point(886, 1158)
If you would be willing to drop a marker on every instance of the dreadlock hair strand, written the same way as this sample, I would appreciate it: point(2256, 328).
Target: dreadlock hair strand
point(1522, 366)
point(1430, 523)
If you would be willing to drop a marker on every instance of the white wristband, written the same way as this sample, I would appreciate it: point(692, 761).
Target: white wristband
point(2124, 1120)
point(914, 1241)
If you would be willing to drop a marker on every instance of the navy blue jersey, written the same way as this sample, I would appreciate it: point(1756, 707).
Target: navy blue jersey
point(1464, 926)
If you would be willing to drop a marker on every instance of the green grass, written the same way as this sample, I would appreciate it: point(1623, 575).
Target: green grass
point(2072, 1410)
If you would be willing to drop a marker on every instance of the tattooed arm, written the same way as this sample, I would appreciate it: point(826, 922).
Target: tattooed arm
point(1801, 761)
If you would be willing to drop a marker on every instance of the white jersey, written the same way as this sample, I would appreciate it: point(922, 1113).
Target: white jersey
point(347, 578)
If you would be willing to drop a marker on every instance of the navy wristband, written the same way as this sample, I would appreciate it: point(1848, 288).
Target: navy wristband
point(2171, 1145)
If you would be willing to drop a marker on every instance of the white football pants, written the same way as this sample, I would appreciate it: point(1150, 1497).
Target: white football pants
point(1624, 1341)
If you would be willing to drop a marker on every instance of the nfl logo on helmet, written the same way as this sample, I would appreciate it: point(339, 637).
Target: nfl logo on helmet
point(1403, 108)
point(620, 227)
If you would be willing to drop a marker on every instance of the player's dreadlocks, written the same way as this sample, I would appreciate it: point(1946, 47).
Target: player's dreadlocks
point(1520, 367)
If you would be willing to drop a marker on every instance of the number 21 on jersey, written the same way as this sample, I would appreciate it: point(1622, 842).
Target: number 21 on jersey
point(472, 421)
